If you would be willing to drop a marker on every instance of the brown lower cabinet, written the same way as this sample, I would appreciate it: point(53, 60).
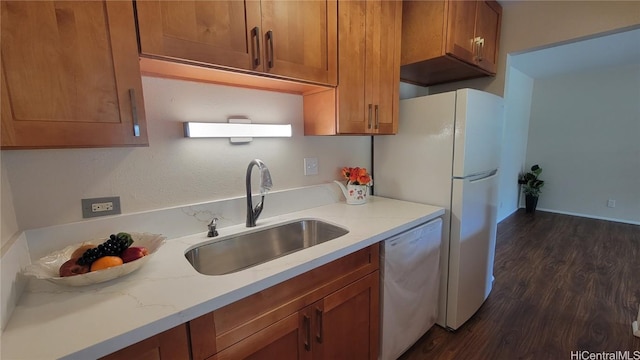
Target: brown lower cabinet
point(172, 344)
point(343, 325)
point(330, 312)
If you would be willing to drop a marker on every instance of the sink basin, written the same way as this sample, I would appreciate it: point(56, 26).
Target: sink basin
point(246, 250)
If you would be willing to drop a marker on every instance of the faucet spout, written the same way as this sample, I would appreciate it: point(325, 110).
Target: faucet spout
point(265, 186)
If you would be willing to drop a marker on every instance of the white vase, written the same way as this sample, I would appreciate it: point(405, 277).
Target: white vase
point(355, 194)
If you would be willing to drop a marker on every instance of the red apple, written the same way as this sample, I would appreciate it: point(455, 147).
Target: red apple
point(133, 253)
point(70, 268)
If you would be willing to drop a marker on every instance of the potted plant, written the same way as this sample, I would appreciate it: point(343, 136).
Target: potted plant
point(531, 186)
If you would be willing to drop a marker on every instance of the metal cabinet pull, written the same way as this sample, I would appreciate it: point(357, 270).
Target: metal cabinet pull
point(479, 46)
point(255, 33)
point(270, 40)
point(369, 121)
point(319, 325)
point(134, 112)
point(377, 126)
point(475, 48)
point(307, 336)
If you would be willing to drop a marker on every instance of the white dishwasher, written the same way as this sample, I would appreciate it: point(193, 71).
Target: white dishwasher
point(410, 282)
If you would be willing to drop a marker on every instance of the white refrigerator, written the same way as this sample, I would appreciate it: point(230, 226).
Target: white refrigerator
point(446, 153)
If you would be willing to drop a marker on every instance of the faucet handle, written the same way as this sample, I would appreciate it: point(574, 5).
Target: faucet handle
point(212, 228)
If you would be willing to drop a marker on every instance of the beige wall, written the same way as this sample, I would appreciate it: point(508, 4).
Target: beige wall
point(533, 24)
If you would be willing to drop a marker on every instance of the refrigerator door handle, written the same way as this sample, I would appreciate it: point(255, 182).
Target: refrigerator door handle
point(477, 176)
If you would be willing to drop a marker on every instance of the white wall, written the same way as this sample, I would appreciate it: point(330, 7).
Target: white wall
point(528, 25)
point(584, 132)
point(47, 185)
point(9, 225)
point(518, 91)
point(408, 91)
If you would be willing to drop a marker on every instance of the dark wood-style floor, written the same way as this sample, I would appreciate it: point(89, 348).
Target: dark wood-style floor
point(562, 284)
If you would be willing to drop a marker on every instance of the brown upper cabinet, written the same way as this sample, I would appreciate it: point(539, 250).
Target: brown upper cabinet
point(366, 99)
point(70, 75)
point(289, 39)
point(447, 40)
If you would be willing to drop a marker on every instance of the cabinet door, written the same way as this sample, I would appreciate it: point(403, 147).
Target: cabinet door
point(354, 115)
point(280, 340)
point(488, 19)
point(169, 345)
point(461, 30)
point(70, 75)
point(384, 32)
point(350, 321)
point(224, 33)
point(300, 39)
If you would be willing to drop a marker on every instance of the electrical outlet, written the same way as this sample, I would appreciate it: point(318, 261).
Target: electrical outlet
point(311, 166)
point(611, 203)
point(105, 206)
point(100, 206)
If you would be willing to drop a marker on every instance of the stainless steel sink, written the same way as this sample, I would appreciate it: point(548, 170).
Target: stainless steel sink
point(250, 249)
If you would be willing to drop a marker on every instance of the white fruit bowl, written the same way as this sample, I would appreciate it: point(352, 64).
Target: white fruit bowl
point(47, 268)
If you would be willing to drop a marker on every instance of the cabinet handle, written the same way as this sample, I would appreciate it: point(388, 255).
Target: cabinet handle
point(270, 40)
point(475, 48)
point(134, 112)
point(255, 33)
point(319, 326)
point(369, 121)
point(479, 46)
point(377, 126)
point(307, 336)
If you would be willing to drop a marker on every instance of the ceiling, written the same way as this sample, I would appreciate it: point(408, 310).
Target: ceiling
point(610, 50)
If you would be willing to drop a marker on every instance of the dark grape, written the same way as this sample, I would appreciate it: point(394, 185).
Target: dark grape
point(112, 247)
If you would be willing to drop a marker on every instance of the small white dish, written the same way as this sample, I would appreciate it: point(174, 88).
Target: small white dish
point(47, 268)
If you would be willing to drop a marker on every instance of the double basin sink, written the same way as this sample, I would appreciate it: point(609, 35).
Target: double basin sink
point(246, 250)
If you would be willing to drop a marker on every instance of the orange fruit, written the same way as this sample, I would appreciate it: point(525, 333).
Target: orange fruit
point(106, 262)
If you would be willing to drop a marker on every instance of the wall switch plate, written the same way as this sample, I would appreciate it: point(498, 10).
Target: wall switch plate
point(611, 203)
point(100, 206)
point(311, 166)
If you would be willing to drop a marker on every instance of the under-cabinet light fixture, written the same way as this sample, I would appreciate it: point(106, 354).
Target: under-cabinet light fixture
point(239, 130)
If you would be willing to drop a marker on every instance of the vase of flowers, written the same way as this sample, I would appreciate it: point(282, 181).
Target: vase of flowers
point(358, 183)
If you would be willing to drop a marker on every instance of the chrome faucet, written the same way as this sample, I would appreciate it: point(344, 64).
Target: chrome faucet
point(265, 186)
point(212, 228)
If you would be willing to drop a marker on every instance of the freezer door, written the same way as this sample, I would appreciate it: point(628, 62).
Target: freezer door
point(422, 148)
point(478, 132)
point(472, 246)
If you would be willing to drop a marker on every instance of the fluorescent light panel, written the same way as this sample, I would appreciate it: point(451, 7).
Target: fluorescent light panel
point(207, 129)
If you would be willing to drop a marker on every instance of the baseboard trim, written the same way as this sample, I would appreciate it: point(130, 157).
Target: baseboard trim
point(587, 216)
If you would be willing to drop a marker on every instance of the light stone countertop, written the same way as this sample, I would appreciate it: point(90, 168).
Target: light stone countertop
point(56, 322)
